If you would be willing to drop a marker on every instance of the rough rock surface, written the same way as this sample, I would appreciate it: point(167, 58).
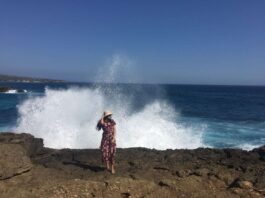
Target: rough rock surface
point(4, 89)
point(27, 169)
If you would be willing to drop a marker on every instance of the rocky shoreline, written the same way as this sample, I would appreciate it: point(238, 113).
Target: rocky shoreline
point(9, 89)
point(27, 169)
point(21, 79)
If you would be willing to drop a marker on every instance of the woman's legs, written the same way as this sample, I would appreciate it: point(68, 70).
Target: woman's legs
point(112, 157)
point(112, 161)
point(112, 168)
point(107, 164)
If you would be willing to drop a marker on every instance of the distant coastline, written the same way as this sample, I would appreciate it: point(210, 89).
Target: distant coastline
point(21, 79)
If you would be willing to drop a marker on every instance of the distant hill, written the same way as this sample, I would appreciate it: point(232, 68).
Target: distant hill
point(9, 78)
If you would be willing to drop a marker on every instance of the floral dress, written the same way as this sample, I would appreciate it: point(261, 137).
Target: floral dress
point(108, 143)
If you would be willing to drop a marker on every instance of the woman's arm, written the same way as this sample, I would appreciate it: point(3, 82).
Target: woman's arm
point(114, 134)
point(100, 123)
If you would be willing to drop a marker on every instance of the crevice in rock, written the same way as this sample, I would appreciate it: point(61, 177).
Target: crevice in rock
point(163, 184)
point(126, 195)
point(161, 168)
point(16, 174)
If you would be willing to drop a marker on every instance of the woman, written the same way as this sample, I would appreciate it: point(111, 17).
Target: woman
point(108, 142)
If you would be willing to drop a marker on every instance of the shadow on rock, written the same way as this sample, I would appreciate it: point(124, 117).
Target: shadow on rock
point(85, 166)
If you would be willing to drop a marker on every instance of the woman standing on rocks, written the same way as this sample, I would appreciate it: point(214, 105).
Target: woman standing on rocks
point(108, 141)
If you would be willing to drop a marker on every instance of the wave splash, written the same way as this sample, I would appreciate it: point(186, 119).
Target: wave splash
point(15, 91)
point(67, 119)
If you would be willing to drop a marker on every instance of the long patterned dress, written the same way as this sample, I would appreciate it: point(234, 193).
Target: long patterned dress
point(108, 144)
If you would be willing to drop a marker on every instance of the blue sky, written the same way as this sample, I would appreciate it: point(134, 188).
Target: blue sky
point(166, 41)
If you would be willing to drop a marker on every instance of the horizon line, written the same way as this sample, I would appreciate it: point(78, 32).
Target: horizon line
point(142, 83)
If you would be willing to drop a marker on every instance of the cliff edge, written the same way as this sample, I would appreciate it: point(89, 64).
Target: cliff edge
point(28, 169)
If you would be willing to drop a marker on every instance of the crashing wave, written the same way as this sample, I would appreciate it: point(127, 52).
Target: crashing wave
point(67, 118)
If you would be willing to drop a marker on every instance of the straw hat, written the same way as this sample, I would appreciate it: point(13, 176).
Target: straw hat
point(107, 113)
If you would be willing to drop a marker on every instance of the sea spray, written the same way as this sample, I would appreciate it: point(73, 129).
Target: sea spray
point(118, 68)
point(66, 118)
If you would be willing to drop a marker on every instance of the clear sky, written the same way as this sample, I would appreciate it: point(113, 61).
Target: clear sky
point(166, 41)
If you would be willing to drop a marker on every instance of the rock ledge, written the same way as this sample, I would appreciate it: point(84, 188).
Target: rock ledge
point(35, 171)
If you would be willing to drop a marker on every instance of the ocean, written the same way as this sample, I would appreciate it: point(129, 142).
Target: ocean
point(152, 116)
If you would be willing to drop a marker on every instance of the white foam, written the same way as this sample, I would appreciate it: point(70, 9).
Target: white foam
point(11, 91)
point(248, 147)
point(67, 118)
point(14, 91)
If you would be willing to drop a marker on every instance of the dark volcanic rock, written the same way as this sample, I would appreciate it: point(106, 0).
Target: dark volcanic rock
point(261, 152)
point(33, 146)
point(35, 171)
point(20, 90)
point(4, 89)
